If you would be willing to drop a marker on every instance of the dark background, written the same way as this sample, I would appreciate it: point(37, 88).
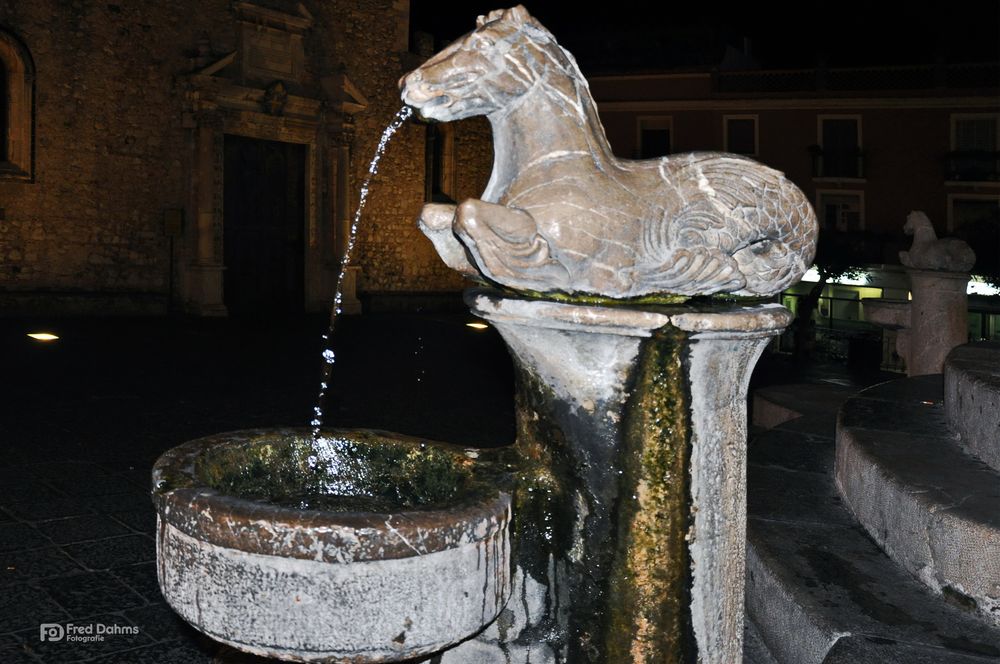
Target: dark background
point(627, 35)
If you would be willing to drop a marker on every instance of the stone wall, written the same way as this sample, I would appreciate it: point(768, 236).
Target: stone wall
point(392, 253)
point(113, 153)
point(108, 145)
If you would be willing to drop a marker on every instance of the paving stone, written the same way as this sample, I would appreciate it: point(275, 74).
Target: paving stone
point(20, 489)
point(792, 450)
point(113, 552)
point(25, 606)
point(42, 510)
point(142, 579)
point(80, 528)
point(161, 623)
point(926, 390)
point(178, 652)
point(66, 470)
point(90, 593)
point(93, 644)
point(133, 499)
point(13, 651)
point(138, 477)
point(18, 536)
point(823, 426)
point(98, 485)
point(143, 520)
point(34, 564)
point(780, 494)
point(908, 418)
point(805, 398)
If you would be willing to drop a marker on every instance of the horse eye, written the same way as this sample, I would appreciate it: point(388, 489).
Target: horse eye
point(481, 43)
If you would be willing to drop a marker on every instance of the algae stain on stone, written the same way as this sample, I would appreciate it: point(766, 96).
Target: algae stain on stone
point(649, 590)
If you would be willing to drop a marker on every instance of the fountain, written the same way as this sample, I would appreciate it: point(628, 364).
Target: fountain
point(613, 529)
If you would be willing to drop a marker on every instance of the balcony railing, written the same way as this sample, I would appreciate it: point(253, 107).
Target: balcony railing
point(837, 163)
point(972, 166)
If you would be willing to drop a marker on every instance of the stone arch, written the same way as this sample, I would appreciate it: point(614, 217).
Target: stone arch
point(17, 97)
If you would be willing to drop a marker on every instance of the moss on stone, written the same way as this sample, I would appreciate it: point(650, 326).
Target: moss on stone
point(649, 590)
point(598, 300)
point(364, 471)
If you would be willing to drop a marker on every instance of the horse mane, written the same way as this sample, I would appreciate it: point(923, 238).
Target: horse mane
point(572, 93)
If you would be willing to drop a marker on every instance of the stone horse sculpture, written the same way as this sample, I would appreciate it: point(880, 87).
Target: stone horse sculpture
point(929, 252)
point(561, 213)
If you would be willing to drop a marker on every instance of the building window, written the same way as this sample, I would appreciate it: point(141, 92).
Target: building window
point(439, 160)
point(975, 150)
point(841, 211)
point(976, 219)
point(741, 134)
point(17, 78)
point(838, 154)
point(655, 137)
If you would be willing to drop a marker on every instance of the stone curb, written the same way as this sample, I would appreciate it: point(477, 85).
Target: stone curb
point(972, 399)
point(932, 508)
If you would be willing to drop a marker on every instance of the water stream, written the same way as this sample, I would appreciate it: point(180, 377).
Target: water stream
point(329, 357)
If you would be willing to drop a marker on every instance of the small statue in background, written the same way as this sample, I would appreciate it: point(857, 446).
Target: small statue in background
point(929, 252)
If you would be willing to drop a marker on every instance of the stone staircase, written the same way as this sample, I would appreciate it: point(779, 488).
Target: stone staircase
point(874, 534)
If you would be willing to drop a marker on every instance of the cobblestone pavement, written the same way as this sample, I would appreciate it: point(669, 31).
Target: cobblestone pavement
point(83, 418)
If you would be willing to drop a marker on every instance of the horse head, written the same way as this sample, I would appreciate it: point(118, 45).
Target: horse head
point(916, 222)
point(482, 72)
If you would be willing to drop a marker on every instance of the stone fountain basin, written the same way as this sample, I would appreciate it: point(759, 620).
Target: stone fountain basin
point(367, 547)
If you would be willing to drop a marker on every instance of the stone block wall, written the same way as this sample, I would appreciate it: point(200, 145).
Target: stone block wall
point(108, 145)
point(392, 253)
point(112, 152)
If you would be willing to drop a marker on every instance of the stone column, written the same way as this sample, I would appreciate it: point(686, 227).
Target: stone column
point(938, 318)
point(630, 512)
point(206, 291)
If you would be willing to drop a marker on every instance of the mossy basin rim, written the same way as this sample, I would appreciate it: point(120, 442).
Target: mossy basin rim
point(343, 471)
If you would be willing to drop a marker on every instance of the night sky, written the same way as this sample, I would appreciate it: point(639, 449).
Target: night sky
point(627, 35)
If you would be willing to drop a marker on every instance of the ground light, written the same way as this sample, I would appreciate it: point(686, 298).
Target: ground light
point(43, 336)
point(477, 326)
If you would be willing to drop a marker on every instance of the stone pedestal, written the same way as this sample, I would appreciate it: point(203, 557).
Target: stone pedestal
point(204, 291)
point(938, 318)
point(930, 324)
point(630, 515)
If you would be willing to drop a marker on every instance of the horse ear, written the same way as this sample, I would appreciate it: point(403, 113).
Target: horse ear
point(517, 15)
point(494, 15)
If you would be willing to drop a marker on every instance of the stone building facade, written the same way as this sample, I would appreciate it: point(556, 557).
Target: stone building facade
point(205, 156)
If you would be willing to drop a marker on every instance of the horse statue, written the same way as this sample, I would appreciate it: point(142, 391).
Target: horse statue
point(562, 214)
point(929, 252)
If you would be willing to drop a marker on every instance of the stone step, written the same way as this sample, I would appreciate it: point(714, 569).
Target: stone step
point(972, 398)
point(934, 509)
point(819, 589)
point(775, 404)
point(754, 649)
